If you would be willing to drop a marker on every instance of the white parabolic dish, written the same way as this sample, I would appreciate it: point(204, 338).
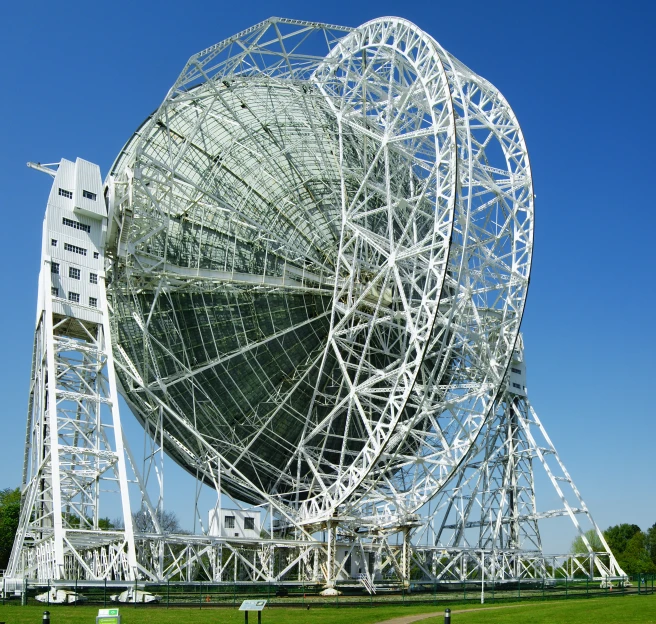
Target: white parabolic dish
point(321, 244)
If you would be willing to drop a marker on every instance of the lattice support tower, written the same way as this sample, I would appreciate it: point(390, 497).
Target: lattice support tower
point(488, 516)
point(74, 453)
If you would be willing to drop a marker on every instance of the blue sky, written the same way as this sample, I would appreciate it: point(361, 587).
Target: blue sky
point(80, 77)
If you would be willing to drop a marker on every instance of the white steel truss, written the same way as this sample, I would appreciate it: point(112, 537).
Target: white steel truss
point(74, 456)
point(354, 199)
point(490, 508)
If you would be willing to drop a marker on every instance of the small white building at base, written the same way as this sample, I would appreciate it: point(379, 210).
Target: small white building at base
point(243, 523)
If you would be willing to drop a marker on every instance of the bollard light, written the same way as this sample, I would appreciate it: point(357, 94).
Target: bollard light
point(447, 616)
point(46, 617)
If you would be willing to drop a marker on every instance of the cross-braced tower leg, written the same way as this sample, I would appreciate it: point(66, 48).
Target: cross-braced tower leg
point(574, 507)
point(74, 454)
point(490, 506)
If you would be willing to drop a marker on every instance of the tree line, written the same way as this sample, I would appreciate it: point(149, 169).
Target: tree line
point(10, 500)
point(634, 549)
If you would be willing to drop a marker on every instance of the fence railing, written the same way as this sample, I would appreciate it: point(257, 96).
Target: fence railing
point(211, 595)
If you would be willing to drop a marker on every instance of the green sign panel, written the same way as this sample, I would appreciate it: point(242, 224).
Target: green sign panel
point(108, 616)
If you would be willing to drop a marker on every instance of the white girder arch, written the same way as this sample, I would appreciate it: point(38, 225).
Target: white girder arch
point(487, 282)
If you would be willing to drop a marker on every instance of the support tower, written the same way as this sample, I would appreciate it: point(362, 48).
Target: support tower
point(74, 455)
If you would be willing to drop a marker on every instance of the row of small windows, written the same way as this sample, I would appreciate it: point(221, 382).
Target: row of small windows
point(249, 523)
point(75, 297)
point(85, 194)
point(74, 273)
point(74, 248)
point(516, 370)
point(77, 225)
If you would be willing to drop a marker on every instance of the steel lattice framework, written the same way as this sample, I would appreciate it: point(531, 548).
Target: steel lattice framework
point(319, 249)
point(317, 256)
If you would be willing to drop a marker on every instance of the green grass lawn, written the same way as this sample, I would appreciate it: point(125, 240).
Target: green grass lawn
point(619, 610)
point(15, 614)
point(622, 610)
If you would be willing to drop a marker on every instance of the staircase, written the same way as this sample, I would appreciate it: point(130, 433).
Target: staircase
point(365, 581)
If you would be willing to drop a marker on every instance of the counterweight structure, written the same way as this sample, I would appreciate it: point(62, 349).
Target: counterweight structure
point(316, 253)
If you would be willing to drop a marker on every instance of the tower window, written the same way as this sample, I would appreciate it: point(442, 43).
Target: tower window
point(74, 297)
point(516, 385)
point(54, 267)
point(77, 225)
point(54, 291)
point(93, 302)
point(65, 193)
point(516, 370)
point(229, 522)
point(74, 273)
point(249, 524)
point(75, 249)
point(93, 278)
point(89, 195)
point(53, 242)
point(96, 255)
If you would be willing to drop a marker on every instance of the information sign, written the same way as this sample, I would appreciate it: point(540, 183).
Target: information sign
point(108, 616)
point(253, 605)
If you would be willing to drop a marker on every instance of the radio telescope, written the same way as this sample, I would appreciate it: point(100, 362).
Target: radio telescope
point(307, 280)
point(321, 259)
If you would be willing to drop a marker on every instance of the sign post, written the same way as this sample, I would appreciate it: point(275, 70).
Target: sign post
point(253, 605)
